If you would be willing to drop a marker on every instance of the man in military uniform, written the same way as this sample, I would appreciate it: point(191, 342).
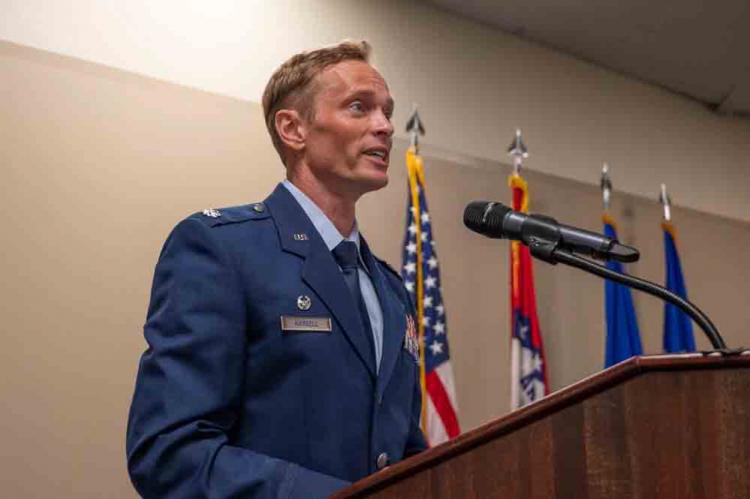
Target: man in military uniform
point(280, 360)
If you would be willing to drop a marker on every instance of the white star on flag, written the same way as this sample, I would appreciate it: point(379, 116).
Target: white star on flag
point(429, 283)
point(432, 262)
point(439, 328)
point(436, 347)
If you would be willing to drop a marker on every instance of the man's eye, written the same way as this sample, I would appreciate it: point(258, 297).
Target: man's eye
point(357, 106)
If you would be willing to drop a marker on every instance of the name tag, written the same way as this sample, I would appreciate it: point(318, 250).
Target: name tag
point(319, 324)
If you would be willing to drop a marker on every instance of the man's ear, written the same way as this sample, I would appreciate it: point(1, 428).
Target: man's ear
point(291, 128)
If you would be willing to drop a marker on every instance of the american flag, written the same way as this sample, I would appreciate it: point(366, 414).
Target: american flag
point(528, 365)
point(421, 275)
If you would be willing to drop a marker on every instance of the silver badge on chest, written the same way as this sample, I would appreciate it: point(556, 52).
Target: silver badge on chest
point(304, 302)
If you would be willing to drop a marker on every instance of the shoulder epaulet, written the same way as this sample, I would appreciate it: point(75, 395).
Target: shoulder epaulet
point(214, 217)
point(389, 268)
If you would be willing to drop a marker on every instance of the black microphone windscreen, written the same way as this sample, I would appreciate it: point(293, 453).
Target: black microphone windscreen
point(485, 217)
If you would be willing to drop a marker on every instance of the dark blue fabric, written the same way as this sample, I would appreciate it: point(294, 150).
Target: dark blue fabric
point(226, 403)
point(623, 336)
point(678, 328)
point(345, 255)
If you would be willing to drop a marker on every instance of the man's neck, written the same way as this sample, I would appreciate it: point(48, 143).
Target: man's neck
point(339, 209)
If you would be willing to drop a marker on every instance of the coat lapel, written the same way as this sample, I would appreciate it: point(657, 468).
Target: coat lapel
point(298, 235)
point(394, 319)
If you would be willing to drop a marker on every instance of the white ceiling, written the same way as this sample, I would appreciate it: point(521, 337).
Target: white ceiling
point(696, 48)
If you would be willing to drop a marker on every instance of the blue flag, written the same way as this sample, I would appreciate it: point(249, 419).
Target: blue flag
point(678, 329)
point(623, 337)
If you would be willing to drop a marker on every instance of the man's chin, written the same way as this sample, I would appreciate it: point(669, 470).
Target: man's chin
point(375, 183)
point(372, 175)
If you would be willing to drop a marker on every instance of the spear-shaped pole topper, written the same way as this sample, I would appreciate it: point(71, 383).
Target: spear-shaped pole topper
point(415, 128)
point(666, 202)
point(606, 185)
point(517, 150)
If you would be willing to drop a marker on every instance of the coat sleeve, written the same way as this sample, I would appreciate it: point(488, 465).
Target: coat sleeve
point(416, 442)
point(189, 385)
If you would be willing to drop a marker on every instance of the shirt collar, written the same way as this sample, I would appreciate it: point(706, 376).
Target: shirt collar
point(330, 234)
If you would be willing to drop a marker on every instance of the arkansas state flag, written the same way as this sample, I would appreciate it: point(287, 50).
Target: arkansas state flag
point(528, 366)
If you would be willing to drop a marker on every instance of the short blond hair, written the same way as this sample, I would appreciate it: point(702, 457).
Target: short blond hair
point(291, 84)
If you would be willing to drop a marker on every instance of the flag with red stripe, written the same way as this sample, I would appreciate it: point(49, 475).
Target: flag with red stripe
point(421, 275)
point(528, 365)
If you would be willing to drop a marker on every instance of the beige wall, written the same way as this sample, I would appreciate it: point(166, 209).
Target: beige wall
point(98, 165)
point(474, 85)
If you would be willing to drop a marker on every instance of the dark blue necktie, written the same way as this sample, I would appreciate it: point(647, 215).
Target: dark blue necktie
point(346, 256)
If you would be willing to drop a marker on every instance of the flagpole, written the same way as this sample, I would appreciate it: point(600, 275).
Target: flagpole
point(666, 203)
point(623, 337)
point(414, 166)
point(518, 152)
point(606, 187)
point(677, 328)
point(529, 380)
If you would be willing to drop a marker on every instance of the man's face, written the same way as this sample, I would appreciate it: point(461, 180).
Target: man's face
point(348, 142)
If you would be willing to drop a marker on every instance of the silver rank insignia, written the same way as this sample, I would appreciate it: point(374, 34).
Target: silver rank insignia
point(411, 342)
point(300, 237)
point(210, 212)
point(304, 302)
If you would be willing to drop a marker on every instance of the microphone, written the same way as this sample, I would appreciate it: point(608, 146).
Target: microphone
point(497, 221)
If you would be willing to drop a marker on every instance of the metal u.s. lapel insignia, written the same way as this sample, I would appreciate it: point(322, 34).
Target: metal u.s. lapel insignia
point(411, 342)
point(304, 302)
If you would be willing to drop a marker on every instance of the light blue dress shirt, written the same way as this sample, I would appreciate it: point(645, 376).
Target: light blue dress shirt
point(332, 237)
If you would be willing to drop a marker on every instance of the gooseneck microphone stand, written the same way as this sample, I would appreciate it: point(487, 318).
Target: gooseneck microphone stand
point(550, 252)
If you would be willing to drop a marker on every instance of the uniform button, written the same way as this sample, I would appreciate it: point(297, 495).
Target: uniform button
point(259, 208)
point(382, 461)
point(379, 399)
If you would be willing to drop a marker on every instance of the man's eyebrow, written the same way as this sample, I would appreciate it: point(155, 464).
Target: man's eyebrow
point(369, 93)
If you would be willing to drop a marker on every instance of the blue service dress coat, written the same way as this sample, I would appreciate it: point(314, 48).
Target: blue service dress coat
point(228, 403)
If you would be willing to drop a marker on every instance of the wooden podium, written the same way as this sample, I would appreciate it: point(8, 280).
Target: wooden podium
point(650, 427)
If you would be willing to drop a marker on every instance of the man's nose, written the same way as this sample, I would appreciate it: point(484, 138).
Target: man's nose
point(382, 124)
